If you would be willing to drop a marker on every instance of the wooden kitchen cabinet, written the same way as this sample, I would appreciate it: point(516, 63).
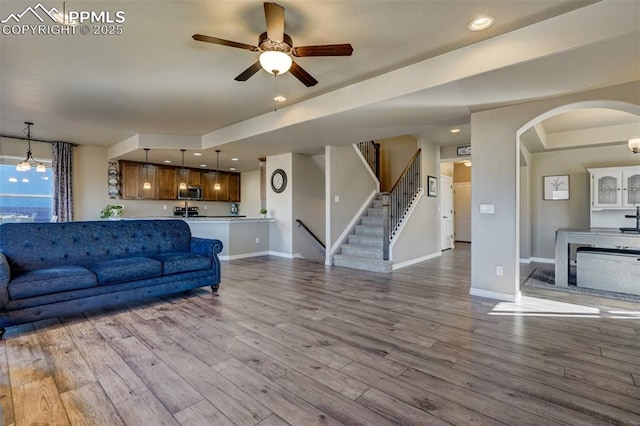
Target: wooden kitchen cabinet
point(165, 180)
point(167, 183)
point(133, 176)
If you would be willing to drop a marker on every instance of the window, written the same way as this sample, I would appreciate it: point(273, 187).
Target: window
point(25, 196)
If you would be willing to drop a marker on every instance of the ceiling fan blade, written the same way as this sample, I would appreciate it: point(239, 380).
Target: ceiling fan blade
point(302, 75)
point(274, 15)
point(249, 72)
point(323, 50)
point(223, 42)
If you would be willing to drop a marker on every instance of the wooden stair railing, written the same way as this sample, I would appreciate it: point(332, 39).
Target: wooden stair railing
point(306, 228)
point(403, 193)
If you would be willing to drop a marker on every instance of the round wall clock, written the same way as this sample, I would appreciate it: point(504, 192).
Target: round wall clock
point(278, 180)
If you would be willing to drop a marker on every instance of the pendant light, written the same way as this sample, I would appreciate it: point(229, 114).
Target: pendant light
point(147, 184)
point(216, 187)
point(25, 166)
point(183, 184)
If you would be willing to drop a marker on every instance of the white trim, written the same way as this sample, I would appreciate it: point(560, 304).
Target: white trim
point(353, 222)
point(542, 260)
point(287, 255)
point(366, 165)
point(328, 259)
point(525, 260)
point(495, 295)
point(244, 255)
point(419, 195)
point(414, 261)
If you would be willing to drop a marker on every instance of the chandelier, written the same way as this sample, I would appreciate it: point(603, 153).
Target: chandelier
point(25, 166)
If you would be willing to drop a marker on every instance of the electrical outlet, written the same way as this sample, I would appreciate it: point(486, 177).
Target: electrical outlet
point(206, 207)
point(337, 198)
point(164, 207)
point(499, 271)
point(257, 240)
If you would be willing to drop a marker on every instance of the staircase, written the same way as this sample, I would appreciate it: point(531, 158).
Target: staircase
point(364, 247)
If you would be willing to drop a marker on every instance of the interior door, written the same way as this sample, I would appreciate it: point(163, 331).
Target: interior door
point(446, 210)
point(462, 211)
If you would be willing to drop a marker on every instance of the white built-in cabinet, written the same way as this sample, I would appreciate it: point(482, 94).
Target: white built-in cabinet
point(614, 190)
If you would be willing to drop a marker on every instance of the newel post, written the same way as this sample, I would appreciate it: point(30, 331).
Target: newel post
point(386, 224)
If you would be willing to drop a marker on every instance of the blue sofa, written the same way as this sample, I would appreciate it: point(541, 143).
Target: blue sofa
point(53, 269)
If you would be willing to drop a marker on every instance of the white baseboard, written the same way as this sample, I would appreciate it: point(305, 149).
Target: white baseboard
point(416, 260)
point(525, 260)
point(244, 255)
point(542, 260)
point(287, 255)
point(495, 295)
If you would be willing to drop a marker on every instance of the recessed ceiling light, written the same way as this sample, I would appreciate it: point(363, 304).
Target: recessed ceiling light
point(481, 23)
point(232, 168)
point(203, 165)
point(279, 99)
point(167, 161)
point(234, 158)
point(455, 130)
point(197, 154)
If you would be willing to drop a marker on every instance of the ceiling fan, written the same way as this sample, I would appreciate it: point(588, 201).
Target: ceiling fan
point(277, 49)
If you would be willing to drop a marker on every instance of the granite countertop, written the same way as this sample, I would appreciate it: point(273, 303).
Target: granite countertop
point(238, 218)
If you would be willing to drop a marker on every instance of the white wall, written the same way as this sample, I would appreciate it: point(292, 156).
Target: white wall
point(250, 203)
point(90, 165)
point(495, 181)
point(348, 178)
point(280, 207)
point(308, 206)
point(395, 154)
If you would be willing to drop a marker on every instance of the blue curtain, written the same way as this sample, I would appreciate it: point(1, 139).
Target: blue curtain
point(62, 165)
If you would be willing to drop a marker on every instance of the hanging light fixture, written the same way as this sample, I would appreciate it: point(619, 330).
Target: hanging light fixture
point(275, 62)
point(146, 184)
point(25, 166)
point(183, 184)
point(634, 145)
point(216, 187)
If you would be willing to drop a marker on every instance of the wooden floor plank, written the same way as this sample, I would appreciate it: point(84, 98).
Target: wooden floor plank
point(174, 391)
point(203, 413)
point(89, 405)
point(234, 403)
point(6, 399)
point(292, 342)
point(279, 400)
point(145, 409)
point(38, 402)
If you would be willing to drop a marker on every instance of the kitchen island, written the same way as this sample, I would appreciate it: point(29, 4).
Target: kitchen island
point(241, 236)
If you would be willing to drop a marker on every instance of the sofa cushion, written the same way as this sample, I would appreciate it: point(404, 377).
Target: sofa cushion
point(173, 263)
point(52, 280)
point(127, 269)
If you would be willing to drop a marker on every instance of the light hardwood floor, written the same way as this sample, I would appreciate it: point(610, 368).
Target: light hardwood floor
point(293, 342)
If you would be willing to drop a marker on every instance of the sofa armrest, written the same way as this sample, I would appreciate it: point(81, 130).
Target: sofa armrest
point(208, 247)
point(5, 277)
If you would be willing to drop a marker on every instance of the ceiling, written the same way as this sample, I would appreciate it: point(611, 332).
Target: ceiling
point(416, 69)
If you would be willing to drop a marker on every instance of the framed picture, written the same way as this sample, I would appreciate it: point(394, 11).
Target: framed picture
point(432, 186)
point(463, 150)
point(556, 187)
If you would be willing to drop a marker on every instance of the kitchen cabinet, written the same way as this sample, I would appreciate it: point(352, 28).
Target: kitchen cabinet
point(167, 183)
point(133, 176)
point(165, 180)
point(615, 187)
point(615, 191)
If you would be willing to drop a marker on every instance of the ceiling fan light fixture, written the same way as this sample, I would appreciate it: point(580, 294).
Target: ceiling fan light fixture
point(275, 62)
point(634, 145)
point(481, 23)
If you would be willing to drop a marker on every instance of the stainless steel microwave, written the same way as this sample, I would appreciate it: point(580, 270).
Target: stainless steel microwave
point(190, 193)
